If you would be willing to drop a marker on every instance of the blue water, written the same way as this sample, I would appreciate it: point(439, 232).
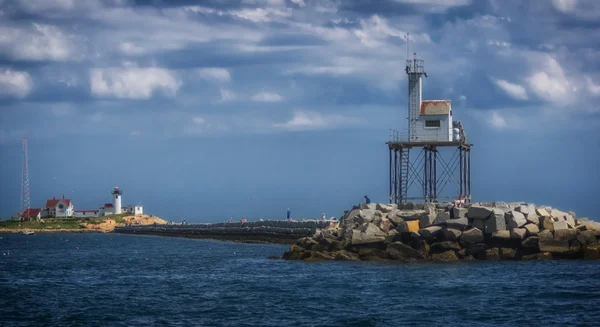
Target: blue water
point(105, 280)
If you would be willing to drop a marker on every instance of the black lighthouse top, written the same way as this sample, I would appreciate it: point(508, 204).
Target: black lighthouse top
point(116, 190)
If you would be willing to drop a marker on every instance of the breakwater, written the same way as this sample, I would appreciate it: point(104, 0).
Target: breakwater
point(442, 232)
point(282, 232)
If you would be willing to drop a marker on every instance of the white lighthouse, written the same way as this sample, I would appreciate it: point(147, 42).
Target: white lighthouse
point(116, 199)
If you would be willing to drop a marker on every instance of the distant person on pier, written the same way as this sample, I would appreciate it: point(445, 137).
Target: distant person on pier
point(289, 215)
point(367, 200)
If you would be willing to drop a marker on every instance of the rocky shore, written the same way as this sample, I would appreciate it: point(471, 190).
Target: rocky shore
point(440, 232)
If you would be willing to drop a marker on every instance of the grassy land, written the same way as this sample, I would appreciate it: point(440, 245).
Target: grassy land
point(60, 223)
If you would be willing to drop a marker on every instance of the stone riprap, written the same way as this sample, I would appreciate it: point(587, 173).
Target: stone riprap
point(441, 232)
point(256, 231)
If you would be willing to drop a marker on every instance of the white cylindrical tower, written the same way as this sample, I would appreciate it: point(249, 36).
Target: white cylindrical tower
point(116, 193)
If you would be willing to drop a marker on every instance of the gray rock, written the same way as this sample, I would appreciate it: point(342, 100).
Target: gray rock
point(478, 212)
point(430, 232)
point(496, 222)
point(400, 251)
point(478, 223)
point(402, 227)
point(546, 233)
point(448, 256)
point(587, 237)
point(444, 246)
point(476, 249)
point(426, 220)
point(508, 254)
point(518, 233)
point(524, 209)
point(558, 214)
point(460, 223)
point(565, 234)
point(442, 218)
point(393, 217)
point(515, 219)
point(372, 254)
point(559, 225)
point(542, 212)
point(472, 236)
point(533, 218)
point(532, 229)
point(501, 205)
point(368, 233)
point(385, 208)
point(459, 212)
point(547, 222)
point(492, 254)
point(411, 215)
point(346, 256)
point(369, 206)
point(502, 235)
point(451, 234)
point(532, 242)
point(554, 246)
point(591, 252)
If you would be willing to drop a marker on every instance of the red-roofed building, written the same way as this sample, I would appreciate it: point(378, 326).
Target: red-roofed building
point(31, 214)
point(61, 208)
point(435, 121)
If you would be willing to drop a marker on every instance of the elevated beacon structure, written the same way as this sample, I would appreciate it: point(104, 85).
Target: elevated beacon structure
point(116, 199)
point(425, 174)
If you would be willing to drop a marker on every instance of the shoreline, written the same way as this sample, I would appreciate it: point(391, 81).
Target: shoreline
point(50, 231)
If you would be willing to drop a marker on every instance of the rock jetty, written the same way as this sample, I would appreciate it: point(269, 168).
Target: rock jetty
point(441, 232)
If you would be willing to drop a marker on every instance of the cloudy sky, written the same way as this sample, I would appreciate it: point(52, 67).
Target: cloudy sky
point(217, 108)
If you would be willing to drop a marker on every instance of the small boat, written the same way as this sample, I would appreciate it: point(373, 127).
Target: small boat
point(27, 232)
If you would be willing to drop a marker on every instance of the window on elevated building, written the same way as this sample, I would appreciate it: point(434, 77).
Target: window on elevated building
point(432, 123)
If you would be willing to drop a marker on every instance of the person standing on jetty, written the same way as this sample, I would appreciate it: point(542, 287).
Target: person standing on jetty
point(289, 215)
point(367, 200)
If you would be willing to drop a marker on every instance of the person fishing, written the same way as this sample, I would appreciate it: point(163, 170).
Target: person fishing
point(367, 200)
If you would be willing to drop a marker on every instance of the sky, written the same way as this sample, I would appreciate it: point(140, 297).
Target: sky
point(213, 109)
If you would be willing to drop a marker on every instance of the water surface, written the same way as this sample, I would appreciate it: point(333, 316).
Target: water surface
point(130, 280)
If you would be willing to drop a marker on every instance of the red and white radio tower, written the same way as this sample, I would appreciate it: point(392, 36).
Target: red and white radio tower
point(25, 198)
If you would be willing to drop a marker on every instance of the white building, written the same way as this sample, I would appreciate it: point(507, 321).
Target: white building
point(435, 121)
point(59, 208)
point(86, 213)
point(133, 209)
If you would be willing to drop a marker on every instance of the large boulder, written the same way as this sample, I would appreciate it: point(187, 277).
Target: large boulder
point(587, 237)
point(372, 254)
point(451, 234)
point(565, 234)
point(524, 209)
point(518, 233)
point(559, 225)
point(532, 242)
point(546, 233)
point(459, 212)
point(492, 254)
point(385, 225)
point(508, 254)
point(542, 212)
point(394, 218)
point(401, 251)
point(410, 214)
point(533, 218)
point(554, 246)
point(444, 246)
point(591, 252)
point(472, 236)
point(368, 233)
point(460, 223)
point(441, 219)
point(385, 208)
point(429, 232)
point(532, 229)
point(478, 223)
point(368, 206)
point(495, 222)
point(346, 256)
point(448, 256)
point(477, 250)
point(426, 220)
point(515, 219)
point(479, 212)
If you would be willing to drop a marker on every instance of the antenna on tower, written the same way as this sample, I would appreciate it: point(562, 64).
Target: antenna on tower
point(25, 196)
point(407, 45)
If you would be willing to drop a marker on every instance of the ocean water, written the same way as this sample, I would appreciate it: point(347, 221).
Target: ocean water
point(128, 280)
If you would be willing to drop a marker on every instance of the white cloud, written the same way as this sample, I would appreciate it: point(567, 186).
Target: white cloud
point(14, 83)
point(306, 120)
point(565, 6)
point(592, 87)
point(40, 42)
point(497, 120)
point(515, 91)
point(129, 48)
point(133, 82)
point(299, 2)
point(437, 5)
point(220, 75)
point(267, 97)
point(227, 95)
point(548, 80)
point(198, 120)
point(260, 15)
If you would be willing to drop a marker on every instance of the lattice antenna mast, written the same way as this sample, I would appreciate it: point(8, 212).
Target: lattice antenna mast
point(25, 196)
